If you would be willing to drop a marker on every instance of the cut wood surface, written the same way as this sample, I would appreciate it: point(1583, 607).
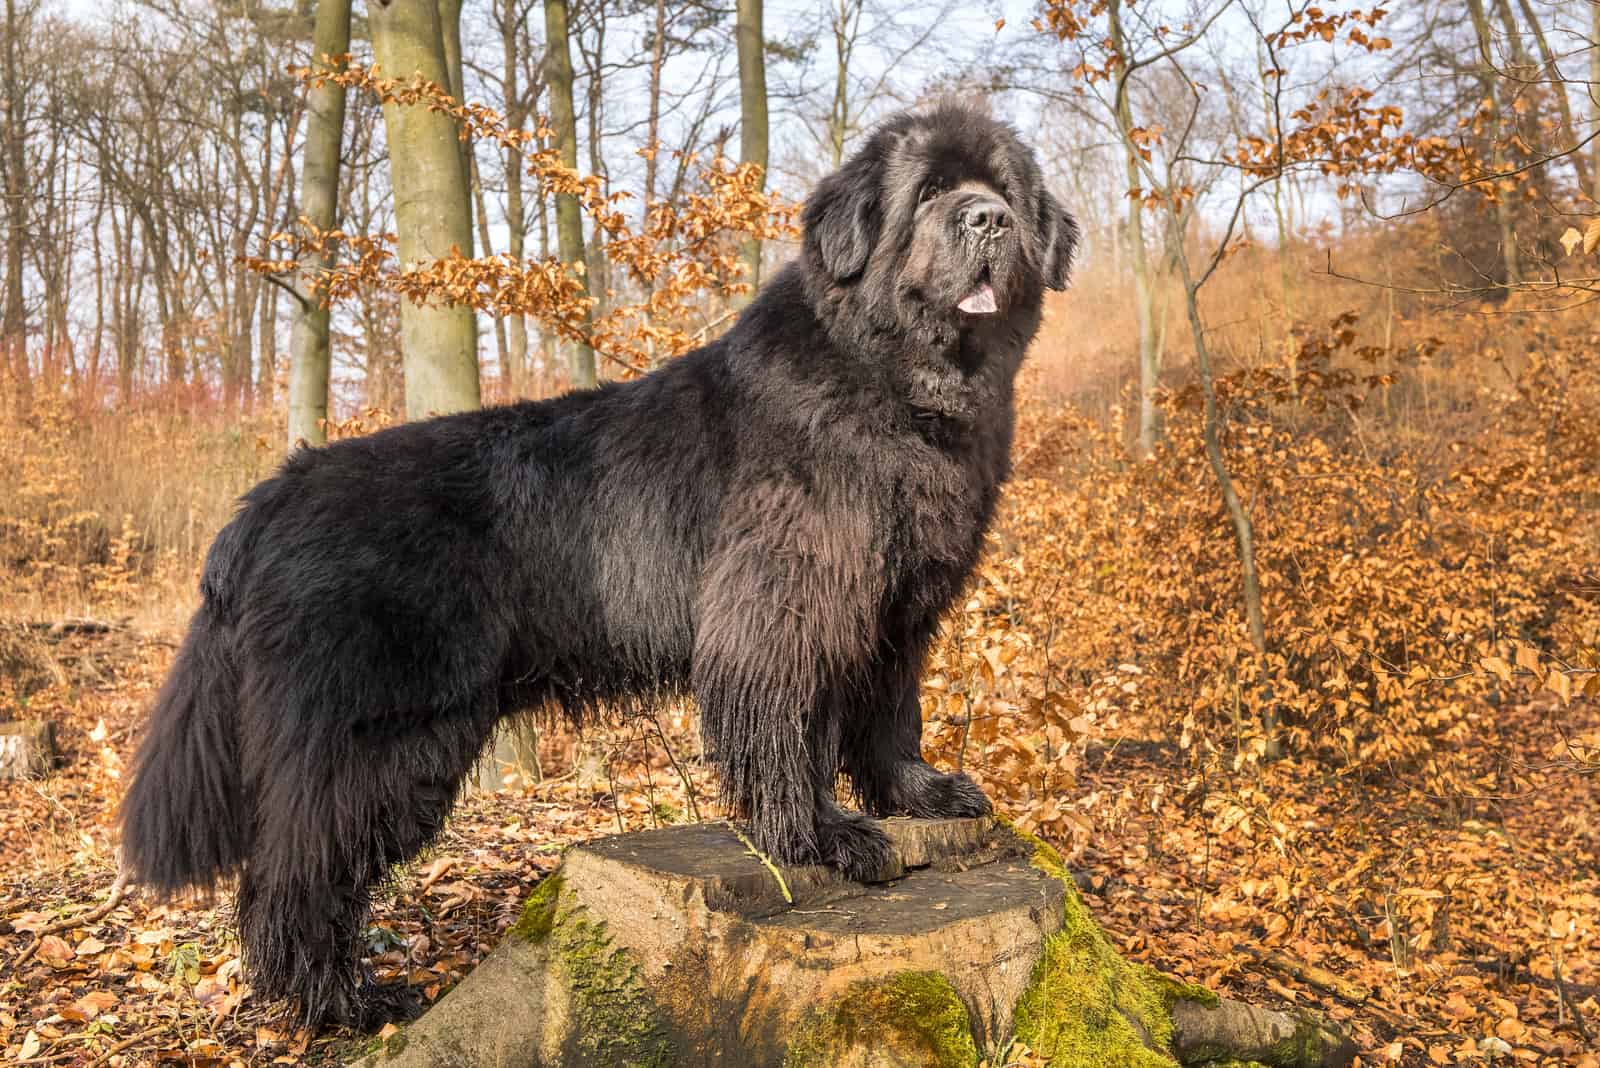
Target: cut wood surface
point(683, 946)
point(27, 749)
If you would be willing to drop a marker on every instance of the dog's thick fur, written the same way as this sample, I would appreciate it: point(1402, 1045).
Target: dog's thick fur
point(774, 523)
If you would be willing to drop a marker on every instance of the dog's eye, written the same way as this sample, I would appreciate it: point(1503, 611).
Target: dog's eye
point(930, 189)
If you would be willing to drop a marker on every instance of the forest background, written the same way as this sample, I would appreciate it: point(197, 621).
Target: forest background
point(1289, 633)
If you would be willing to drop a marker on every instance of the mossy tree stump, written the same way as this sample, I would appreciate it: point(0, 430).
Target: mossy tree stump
point(679, 947)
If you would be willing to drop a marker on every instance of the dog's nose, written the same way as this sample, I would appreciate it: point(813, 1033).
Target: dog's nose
point(986, 216)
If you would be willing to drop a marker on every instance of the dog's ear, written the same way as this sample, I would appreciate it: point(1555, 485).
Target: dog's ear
point(1058, 237)
point(841, 220)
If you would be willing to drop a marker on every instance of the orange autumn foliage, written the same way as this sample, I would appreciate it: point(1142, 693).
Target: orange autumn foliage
point(676, 255)
point(1411, 585)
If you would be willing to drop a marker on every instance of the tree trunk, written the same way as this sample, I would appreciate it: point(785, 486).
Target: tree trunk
point(1243, 528)
point(1558, 87)
point(1594, 99)
point(450, 34)
point(652, 168)
point(516, 213)
point(267, 368)
point(595, 62)
point(684, 946)
point(1488, 80)
point(844, 36)
point(480, 212)
point(652, 136)
point(450, 31)
point(432, 210)
point(569, 215)
point(549, 345)
point(13, 321)
point(122, 335)
point(751, 41)
point(97, 349)
point(310, 344)
point(1143, 284)
point(1291, 347)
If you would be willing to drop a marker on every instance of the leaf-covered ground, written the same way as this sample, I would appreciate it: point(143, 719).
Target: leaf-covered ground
point(1438, 933)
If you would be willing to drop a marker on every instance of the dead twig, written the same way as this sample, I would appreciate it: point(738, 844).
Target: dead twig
point(1321, 978)
point(71, 626)
point(149, 1032)
point(1571, 1004)
point(118, 891)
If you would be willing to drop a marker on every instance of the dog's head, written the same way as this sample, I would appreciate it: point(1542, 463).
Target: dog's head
point(930, 250)
point(943, 213)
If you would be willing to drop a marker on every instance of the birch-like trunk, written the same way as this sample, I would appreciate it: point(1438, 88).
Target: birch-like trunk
point(310, 348)
point(751, 41)
point(438, 341)
point(569, 216)
point(1488, 80)
point(1143, 284)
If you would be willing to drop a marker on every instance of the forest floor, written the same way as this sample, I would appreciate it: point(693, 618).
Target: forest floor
point(1438, 933)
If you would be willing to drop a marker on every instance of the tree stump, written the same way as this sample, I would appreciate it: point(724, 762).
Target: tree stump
point(682, 946)
point(27, 749)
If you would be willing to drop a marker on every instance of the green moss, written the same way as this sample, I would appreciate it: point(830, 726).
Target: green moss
point(1306, 1046)
point(1086, 1006)
point(539, 911)
point(394, 1045)
point(916, 1017)
point(615, 1021)
point(1175, 990)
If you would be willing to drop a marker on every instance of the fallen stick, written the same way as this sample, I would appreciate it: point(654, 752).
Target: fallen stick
point(1231, 1030)
point(118, 890)
point(59, 627)
point(148, 1032)
point(1321, 978)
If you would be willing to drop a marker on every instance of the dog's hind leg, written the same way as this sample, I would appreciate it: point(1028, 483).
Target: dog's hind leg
point(328, 832)
point(300, 931)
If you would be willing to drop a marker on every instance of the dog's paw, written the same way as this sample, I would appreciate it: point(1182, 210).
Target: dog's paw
point(857, 847)
point(383, 1003)
point(919, 790)
point(363, 1006)
point(952, 797)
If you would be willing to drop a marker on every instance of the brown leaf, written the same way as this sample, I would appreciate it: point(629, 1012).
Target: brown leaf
point(54, 951)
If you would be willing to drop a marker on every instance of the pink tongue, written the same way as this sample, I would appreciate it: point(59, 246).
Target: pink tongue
point(979, 302)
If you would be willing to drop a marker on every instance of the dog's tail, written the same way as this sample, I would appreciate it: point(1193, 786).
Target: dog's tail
point(185, 818)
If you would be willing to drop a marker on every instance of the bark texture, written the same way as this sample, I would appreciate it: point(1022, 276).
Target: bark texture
point(682, 946)
point(27, 749)
point(751, 40)
point(310, 345)
point(569, 218)
point(432, 210)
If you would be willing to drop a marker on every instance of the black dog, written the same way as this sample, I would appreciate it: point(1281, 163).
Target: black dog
point(774, 523)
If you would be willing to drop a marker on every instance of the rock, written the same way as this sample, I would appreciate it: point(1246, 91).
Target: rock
point(27, 749)
point(679, 947)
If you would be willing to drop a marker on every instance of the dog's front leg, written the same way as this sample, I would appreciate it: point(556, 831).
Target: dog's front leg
point(882, 749)
point(784, 616)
